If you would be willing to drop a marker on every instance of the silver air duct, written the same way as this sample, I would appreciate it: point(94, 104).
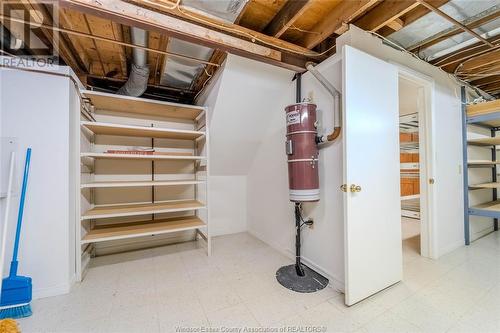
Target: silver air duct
point(139, 72)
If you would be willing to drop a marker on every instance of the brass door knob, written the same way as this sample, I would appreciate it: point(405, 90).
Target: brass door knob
point(343, 188)
point(355, 188)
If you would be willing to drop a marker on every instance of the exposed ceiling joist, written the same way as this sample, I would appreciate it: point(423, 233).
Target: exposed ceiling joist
point(336, 21)
point(486, 80)
point(223, 26)
point(384, 13)
point(481, 61)
point(396, 25)
point(453, 21)
point(450, 61)
point(200, 81)
point(412, 16)
point(443, 35)
point(492, 88)
point(134, 15)
point(286, 17)
point(39, 14)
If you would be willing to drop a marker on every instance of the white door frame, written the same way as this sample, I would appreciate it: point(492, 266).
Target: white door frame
point(426, 162)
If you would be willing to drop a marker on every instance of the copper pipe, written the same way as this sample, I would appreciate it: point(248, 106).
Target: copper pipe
point(335, 134)
point(455, 22)
point(109, 40)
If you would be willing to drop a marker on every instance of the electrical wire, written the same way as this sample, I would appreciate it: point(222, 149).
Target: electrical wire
point(204, 83)
point(253, 37)
point(452, 77)
point(293, 27)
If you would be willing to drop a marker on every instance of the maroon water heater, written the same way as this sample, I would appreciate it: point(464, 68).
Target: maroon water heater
point(302, 151)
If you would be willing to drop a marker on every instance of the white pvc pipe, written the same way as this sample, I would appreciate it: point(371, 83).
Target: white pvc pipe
point(331, 89)
point(6, 216)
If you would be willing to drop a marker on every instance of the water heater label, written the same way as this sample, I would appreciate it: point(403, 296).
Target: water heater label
point(292, 118)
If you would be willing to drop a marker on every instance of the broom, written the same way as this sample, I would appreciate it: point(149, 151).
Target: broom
point(16, 290)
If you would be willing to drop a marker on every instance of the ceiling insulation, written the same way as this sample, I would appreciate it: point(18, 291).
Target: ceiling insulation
point(430, 25)
point(181, 73)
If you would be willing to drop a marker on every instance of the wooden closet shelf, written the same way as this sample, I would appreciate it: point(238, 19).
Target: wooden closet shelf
point(482, 162)
point(484, 186)
point(485, 141)
point(100, 212)
point(490, 206)
point(483, 108)
point(141, 156)
point(142, 106)
point(140, 229)
point(140, 131)
point(139, 183)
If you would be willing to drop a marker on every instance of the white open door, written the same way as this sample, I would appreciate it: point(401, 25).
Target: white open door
point(372, 210)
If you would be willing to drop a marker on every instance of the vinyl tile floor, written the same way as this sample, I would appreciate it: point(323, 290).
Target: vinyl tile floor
point(178, 288)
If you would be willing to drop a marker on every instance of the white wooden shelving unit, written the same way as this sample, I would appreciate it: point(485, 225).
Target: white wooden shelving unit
point(410, 204)
point(144, 167)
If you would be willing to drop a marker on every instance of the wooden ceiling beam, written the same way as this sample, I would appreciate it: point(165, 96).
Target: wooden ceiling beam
point(385, 13)
point(209, 71)
point(481, 61)
point(130, 14)
point(65, 50)
point(80, 49)
point(449, 62)
point(336, 21)
point(455, 22)
point(396, 25)
point(485, 80)
point(412, 16)
point(492, 87)
point(286, 17)
point(118, 35)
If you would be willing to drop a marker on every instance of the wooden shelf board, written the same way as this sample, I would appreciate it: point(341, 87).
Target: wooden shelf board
point(141, 157)
point(100, 212)
point(483, 108)
point(140, 229)
point(482, 162)
point(140, 131)
point(140, 183)
point(491, 206)
point(484, 141)
point(142, 106)
point(484, 186)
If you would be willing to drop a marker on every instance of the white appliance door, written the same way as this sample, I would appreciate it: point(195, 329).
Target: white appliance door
point(372, 209)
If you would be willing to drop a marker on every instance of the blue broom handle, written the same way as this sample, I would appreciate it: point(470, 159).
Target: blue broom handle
point(14, 263)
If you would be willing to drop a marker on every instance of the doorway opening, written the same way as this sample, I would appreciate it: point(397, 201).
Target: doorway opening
point(414, 116)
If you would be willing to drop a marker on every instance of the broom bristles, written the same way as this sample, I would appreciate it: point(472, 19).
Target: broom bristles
point(15, 312)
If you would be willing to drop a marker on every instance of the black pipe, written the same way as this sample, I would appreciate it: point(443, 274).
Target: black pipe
point(298, 220)
point(298, 87)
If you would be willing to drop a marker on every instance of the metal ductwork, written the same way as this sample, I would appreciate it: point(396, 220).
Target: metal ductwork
point(139, 72)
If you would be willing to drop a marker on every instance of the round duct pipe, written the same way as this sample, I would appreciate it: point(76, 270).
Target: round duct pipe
point(139, 72)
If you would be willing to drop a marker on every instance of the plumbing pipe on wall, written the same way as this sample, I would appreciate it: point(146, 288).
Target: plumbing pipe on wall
point(336, 103)
point(139, 72)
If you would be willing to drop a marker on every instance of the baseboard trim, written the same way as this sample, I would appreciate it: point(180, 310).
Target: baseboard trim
point(450, 248)
point(58, 290)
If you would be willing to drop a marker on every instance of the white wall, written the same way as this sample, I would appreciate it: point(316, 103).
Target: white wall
point(35, 109)
point(241, 100)
point(448, 187)
point(247, 133)
point(270, 212)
